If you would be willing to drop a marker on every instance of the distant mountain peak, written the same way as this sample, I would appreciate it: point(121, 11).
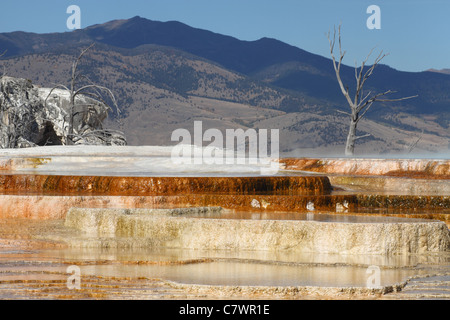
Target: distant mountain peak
point(268, 60)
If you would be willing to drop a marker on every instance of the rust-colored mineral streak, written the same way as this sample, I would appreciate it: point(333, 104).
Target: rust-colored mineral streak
point(110, 185)
point(410, 168)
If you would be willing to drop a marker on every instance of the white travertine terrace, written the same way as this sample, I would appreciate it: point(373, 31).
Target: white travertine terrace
point(147, 228)
point(120, 160)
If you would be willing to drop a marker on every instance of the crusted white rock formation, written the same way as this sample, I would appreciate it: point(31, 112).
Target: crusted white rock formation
point(105, 227)
point(31, 116)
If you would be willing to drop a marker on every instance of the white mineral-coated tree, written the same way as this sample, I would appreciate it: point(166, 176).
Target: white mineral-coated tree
point(87, 89)
point(15, 123)
point(361, 102)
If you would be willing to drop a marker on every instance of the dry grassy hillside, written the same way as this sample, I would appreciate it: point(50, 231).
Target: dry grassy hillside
point(161, 89)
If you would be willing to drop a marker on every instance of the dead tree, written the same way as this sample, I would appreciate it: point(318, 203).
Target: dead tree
point(361, 102)
point(81, 85)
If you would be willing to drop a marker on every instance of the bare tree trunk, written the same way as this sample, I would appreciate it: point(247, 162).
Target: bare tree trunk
point(351, 138)
point(72, 99)
point(71, 112)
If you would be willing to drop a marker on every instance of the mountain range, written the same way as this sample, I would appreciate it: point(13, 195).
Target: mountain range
point(166, 75)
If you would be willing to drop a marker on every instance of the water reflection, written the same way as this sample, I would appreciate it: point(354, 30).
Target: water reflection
point(251, 274)
point(238, 268)
point(305, 216)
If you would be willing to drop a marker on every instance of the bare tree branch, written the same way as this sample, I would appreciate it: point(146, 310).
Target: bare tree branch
point(343, 112)
point(337, 66)
point(364, 136)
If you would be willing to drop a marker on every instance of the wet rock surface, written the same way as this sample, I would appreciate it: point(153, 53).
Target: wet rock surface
point(35, 269)
point(149, 228)
point(37, 246)
point(56, 206)
point(413, 168)
point(111, 185)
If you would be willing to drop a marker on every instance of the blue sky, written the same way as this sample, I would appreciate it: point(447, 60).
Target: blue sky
point(415, 33)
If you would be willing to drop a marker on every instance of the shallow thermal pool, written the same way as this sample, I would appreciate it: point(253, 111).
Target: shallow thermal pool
point(32, 272)
point(218, 268)
point(304, 216)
